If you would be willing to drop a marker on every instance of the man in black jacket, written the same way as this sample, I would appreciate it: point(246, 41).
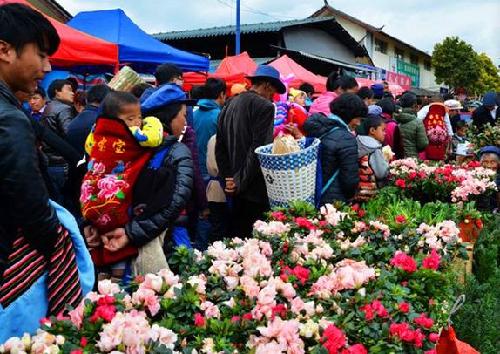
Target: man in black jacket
point(26, 41)
point(246, 123)
point(488, 113)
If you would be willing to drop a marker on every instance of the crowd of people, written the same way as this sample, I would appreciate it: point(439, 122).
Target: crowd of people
point(146, 171)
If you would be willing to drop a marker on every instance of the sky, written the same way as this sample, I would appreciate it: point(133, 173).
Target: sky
point(421, 23)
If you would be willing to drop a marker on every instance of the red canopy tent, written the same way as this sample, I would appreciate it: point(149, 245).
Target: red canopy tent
point(78, 48)
point(287, 67)
point(395, 89)
point(239, 65)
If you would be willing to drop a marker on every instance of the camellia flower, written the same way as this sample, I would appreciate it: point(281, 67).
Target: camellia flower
point(433, 337)
point(432, 261)
point(278, 216)
point(404, 307)
point(333, 339)
point(400, 219)
point(304, 223)
point(403, 261)
point(401, 183)
point(355, 349)
point(199, 320)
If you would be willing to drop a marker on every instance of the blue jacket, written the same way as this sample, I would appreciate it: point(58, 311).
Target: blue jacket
point(205, 126)
point(80, 127)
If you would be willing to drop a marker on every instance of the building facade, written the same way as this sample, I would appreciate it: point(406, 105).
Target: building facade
point(387, 52)
point(51, 8)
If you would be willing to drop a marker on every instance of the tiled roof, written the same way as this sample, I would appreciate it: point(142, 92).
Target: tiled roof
point(231, 29)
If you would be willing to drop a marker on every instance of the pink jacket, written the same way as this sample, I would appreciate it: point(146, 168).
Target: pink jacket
point(322, 103)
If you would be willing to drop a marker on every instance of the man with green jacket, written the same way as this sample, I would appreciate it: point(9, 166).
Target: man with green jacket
point(412, 130)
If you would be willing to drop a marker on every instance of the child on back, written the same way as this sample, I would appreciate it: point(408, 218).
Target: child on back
point(459, 144)
point(119, 147)
point(373, 166)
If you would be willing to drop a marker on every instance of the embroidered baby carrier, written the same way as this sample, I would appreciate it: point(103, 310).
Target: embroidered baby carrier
point(437, 133)
point(116, 161)
point(367, 187)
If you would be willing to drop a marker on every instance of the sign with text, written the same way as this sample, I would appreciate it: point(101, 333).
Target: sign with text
point(411, 70)
point(398, 79)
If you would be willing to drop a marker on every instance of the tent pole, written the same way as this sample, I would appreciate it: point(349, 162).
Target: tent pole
point(237, 27)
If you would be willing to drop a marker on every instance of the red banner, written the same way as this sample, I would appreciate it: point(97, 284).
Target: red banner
point(398, 79)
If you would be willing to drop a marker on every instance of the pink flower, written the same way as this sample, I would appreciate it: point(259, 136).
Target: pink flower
point(104, 219)
point(148, 299)
point(404, 307)
point(278, 216)
point(424, 321)
point(110, 185)
point(301, 273)
point(433, 337)
point(333, 339)
point(86, 191)
point(401, 183)
point(403, 261)
point(76, 315)
point(380, 309)
point(98, 168)
point(432, 261)
point(153, 282)
point(297, 305)
point(432, 351)
point(367, 309)
point(106, 287)
point(419, 338)
point(199, 320)
point(210, 309)
point(351, 274)
point(267, 295)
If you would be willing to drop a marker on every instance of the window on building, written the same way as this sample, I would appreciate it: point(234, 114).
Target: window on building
point(380, 46)
point(400, 54)
point(427, 65)
point(413, 59)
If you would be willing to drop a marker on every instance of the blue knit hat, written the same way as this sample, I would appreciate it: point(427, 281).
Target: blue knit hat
point(490, 99)
point(374, 110)
point(165, 95)
point(489, 150)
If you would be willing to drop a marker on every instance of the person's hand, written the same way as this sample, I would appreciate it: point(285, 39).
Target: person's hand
point(230, 186)
point(294, 131)
point(115, 240)
point(91, 236)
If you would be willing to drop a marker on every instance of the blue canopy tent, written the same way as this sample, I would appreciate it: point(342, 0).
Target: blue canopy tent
point(135, 47)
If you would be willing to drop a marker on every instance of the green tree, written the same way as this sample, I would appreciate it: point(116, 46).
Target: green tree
point(489, 79)
point(456, 63)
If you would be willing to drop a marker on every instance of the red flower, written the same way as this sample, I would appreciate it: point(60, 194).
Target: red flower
point(105, 312)
point(395, 329)
point(355, 207)
point(278, 216)
point(199, 320)
point(432, 261)
point(400, 219)
point(401, 183)
point(235, 319)
point(248, 316)
point(279, 310)
point(419, 338)
point(433, 337)
point(285, 247)
point(77, 351)
point(424, 321)
point(45, 321)
point(380, 309)
point(285, 273)
point(83, 342)
point(361, 213)
point(403, 261)
point(367, 309)
point(304, 223)
point(404, 307)
point(407, 335)
point(301, 273)
point(432, 351)
point(106, 300)
point(333, 339)
point(412, 175)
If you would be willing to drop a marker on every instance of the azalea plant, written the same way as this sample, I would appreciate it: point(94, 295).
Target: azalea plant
point(447, 183)
point(327, 281)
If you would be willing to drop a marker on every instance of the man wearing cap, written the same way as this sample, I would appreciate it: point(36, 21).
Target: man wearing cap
point(453, 107)
point(488, 113)
point(245, 124)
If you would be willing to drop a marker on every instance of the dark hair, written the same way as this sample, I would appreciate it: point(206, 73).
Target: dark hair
point(307, 88)
point(97, 93)
point(448, 96)
point(408, 100)
point(371, 121)
point(460, 124)
point(348, 83)
point(139, 89)
point(365, 92)
point(165, 73)
point(40, 91)
point(57, 86)
point(113, 102)
point(198, 92)
point(387, 105)
point(20, 25)
point(166, 115)
point(333, 82)
point(388, 94)
point(80, 98)
point(348, 106)
point(213, 88)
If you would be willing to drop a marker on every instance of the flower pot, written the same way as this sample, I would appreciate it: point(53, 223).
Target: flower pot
point(469, 232)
